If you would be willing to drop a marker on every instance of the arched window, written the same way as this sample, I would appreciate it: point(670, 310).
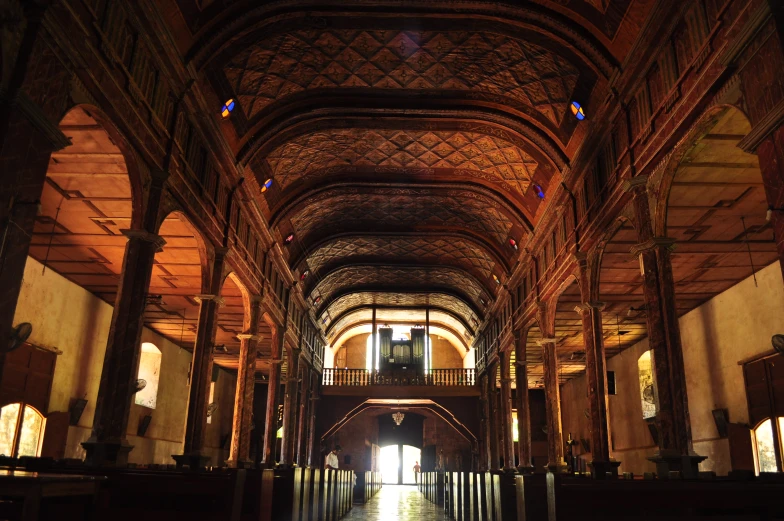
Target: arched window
point(21, 429)
point(765, 445)
point(149, 371)
point(647, 386)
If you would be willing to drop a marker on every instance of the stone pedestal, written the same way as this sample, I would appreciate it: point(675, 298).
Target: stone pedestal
point(672, 461)
point(600, 469)
point(193, 461)
point(106, 453)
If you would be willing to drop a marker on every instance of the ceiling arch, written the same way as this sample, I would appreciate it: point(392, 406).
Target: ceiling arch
point(400, 278)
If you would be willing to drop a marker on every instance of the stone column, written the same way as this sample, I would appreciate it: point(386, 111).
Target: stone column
point(596, 378)
point(107, 444)
point(484, 429)
point(552, 393)
point(305, 409)
point(290, 407)
point(239, 453)
point(493, 430)
point(672, 410)
point(524, 465)
point(201, 368)
point(506, 412)
point(314, 399)
point(271, 420)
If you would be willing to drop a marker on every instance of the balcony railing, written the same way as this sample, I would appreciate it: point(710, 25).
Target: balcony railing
point(363, 377)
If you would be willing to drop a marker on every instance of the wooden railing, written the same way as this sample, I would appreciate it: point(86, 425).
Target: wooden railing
point(363, 377)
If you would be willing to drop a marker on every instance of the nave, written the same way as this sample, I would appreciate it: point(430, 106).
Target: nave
point(396, 503)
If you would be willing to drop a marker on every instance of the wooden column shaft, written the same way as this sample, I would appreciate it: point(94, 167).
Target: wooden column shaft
point(239, 451)
point(552, 392)
point(290, 406)
point(506, 411)
point(523, 403)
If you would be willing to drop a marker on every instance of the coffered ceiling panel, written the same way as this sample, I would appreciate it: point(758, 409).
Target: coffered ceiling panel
point(468, 152)
point(406, 207)
point(525, 75)
point(412, 278)
point(431, 250)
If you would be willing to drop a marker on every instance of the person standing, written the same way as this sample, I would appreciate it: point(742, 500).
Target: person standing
point(332, 459)
point(417, 469)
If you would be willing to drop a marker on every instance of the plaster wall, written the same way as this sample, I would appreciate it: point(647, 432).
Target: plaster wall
point(733, 326)
point(68, 317)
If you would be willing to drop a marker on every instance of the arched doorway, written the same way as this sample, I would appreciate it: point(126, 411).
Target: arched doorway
point(397, 464)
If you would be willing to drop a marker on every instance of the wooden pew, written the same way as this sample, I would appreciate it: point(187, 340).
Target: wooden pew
point(531, 497)
point(665, 500)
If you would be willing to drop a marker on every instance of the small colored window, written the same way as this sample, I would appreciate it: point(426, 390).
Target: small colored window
point(304, 275)
point(267, 185)
point(496, 279)
point(289, 238)
point(578, 111)
point(539, 191)
point(513, 243)
point(228, 107)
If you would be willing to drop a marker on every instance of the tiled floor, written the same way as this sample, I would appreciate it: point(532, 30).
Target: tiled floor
point(396, 502)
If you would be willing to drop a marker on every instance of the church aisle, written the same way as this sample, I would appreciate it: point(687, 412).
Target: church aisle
point(396, 502)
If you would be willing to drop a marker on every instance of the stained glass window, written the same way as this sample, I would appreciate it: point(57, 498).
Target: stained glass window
point(578, 111)
point(228, 107)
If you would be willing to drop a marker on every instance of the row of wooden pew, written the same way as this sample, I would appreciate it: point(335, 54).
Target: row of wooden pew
point(297, 494)
point(496, 496)
point(368, 485)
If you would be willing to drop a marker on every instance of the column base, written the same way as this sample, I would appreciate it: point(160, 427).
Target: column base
point(107, 453)
point(194, 461)
point(600, 469)
point(558, 468)
point(526, 469)
point(671, 460)
point(241, 464)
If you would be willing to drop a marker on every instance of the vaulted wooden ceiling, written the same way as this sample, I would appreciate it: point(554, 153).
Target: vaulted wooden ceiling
point(406, 144)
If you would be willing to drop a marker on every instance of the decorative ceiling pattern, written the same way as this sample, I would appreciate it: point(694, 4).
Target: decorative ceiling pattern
point(404, 207)
point(467, 151)
point(393, 276)
point(525, 74)
point(445, 251)
point(411, 300)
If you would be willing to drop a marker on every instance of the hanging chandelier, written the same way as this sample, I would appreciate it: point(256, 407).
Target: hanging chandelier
point(398, 417)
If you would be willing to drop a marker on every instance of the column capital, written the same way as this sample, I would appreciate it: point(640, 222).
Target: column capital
point(217, 298)
point(652, 243)
point(222, 252)
point(248, 336)
point(580, 257)
point(635, 183)
point(545, 341)
point(587, 306)
point(144, 235)
point(276, 362)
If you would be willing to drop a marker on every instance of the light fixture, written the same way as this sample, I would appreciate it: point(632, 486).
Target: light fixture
point(398, 417)
point(577, 110)
point(304, 275)
point(289, 238)
point(266, 185)
point(513, 243)
point(228, 107)
point(539, 191)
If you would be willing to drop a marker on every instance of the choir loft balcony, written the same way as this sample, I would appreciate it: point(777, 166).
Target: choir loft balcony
point(402, 382)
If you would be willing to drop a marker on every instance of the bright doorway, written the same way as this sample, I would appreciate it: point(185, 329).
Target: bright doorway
point(397, 464)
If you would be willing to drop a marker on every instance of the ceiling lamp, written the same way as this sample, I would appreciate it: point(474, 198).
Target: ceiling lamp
point(578, 111)
point(266, 186)
point(398, 417)
point(228, 107)
point(513, 243)
point(304, 275)
point(539, 191)
point(289, 238)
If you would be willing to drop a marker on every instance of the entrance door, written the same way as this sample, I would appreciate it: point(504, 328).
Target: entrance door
point(390, 465)
point(397, 464)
